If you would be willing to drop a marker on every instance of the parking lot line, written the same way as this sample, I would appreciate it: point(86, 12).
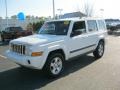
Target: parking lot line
point(3, 56)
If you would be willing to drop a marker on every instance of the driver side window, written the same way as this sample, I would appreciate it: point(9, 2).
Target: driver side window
point(78, 28)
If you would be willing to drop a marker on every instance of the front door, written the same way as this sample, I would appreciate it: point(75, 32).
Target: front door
point(78, 42)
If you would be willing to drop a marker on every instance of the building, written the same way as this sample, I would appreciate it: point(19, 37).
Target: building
point(16, 22)
point(73, 15)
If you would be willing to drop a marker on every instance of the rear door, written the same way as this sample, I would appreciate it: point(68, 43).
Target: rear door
point(93, 35)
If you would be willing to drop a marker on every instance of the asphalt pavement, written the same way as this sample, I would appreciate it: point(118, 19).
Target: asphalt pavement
point(83, 73)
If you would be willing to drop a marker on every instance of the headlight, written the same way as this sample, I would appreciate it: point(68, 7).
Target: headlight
point(37, 54)
point(28, 51)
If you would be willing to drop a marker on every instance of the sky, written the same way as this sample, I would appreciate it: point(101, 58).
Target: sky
point(110, 8)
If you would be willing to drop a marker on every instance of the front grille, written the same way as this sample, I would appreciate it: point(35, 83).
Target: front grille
point(18, 48)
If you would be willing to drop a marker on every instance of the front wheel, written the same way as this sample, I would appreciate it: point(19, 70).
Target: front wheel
point(98, 53)
point(54, 65)
point(2, 39)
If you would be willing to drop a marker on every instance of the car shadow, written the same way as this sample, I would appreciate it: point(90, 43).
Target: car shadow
point(26, 79)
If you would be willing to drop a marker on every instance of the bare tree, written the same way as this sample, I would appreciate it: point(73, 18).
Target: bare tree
point(88, 8)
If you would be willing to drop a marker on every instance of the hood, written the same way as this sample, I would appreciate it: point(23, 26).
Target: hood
point(38, 39)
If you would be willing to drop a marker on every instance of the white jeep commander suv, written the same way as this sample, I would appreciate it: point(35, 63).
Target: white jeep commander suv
point(58, 41)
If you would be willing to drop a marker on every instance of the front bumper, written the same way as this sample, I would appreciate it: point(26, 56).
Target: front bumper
point(27, 61)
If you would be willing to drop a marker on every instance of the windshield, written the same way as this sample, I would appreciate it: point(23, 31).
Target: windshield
point(13, 29)
point(55, 28)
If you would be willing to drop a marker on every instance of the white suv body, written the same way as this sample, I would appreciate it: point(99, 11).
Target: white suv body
point(76, 37)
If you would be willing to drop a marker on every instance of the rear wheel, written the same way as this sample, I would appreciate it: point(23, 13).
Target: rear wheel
point(54, 65)
point(2, 39)
point(98, 53)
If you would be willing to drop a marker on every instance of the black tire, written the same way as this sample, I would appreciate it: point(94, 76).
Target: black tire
point(48, 66)
point(99, 51)
point(2, 39)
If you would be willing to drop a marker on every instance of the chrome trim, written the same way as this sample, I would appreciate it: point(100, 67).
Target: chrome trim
point(18, 48)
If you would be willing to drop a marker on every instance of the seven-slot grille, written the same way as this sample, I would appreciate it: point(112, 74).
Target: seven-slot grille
point(18, 48)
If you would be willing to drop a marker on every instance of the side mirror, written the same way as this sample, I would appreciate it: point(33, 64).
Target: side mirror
point(75, 33)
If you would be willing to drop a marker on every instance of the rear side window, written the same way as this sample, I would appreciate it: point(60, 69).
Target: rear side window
point(92, 25)
point(101, 25)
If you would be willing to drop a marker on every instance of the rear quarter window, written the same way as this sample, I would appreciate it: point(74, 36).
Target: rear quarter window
point(101, 25)
point(92, 25)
